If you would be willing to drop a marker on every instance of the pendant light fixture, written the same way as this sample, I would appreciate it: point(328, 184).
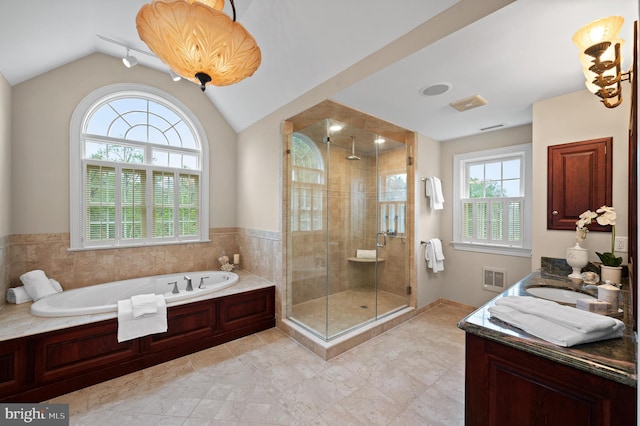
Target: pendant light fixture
point(198, 41)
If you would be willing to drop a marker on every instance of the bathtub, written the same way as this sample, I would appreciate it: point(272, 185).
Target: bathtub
point(103, 298)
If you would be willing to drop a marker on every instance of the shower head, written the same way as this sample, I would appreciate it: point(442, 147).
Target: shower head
point(353, 155)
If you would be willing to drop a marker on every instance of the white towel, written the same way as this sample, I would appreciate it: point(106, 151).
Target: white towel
point(37, 284)
point(433, 190)
point(365, 254)
point(131, 328)
point(19, 294)
point(144, 304)
point(433, 255)
point(567, 316)
point(555, 331)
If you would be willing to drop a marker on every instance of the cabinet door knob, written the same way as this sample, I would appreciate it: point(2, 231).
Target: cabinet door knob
point(555, 212)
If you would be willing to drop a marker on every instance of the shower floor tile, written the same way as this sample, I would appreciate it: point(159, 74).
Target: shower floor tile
point(345, 310)
point(412, 374)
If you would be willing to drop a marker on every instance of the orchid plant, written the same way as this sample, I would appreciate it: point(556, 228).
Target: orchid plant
point(605, 216)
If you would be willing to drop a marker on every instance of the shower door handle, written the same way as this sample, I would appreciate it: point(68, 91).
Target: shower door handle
point(384, 239)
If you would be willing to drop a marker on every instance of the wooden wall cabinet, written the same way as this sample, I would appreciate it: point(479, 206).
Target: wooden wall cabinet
point(579, 179)
point(39, 367)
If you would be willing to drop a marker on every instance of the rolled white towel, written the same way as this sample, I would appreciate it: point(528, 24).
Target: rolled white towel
point(18, 295)
point(37, 284)
point(56, 285)
point(143, 304)
point(365, 254)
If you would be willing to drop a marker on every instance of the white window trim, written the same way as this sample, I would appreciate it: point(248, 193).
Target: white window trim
point(76, 157)
point(459, 165)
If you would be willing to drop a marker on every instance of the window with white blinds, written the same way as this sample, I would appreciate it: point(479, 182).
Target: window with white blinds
point(141, 164)
point(308, 188)
point(492, 192)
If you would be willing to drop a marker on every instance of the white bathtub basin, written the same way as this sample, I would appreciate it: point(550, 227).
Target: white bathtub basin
point(102, 298)
point(558, 294)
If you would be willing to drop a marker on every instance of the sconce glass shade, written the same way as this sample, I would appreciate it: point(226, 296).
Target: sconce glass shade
point(605, 29)
point(599, 48)
point(198, 41)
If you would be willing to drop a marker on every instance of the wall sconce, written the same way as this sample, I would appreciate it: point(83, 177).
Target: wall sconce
point(601, 61)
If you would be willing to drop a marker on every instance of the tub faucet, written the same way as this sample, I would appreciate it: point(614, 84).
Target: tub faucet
point(189, 286)
point(175, 287)
point(201, 285)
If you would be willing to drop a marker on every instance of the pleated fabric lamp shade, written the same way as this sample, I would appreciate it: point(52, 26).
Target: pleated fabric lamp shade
point(198, 41)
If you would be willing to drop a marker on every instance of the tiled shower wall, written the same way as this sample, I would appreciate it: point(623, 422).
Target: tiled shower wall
point(259, 254)
point(352, 225)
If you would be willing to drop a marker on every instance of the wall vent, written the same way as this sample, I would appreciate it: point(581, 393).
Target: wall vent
point(494, 279)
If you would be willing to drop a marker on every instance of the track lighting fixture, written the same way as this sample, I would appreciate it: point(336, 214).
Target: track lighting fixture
point(174, 76)
point(129, 60)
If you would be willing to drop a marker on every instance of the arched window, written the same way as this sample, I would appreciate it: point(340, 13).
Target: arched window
point(138, 170)
point(307, 176)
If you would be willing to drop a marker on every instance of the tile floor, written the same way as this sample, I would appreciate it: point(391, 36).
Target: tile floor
point(410, 375)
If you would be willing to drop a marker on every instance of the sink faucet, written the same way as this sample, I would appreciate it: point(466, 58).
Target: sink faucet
point(175, 287)
point(189, 286)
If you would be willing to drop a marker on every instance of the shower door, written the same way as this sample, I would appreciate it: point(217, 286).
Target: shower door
point(347, 261)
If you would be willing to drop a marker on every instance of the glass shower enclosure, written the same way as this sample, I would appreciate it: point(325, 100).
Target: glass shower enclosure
point(347, 256)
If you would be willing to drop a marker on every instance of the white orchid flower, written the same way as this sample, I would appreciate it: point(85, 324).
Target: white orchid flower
point(586, 218)
point(607, 216)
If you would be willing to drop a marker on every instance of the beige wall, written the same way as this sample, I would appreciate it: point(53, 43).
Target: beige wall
point(41, 114)
point(428, 221)
point(5, 157)
point(5, 188)
point(571, 118)
point(461, 280)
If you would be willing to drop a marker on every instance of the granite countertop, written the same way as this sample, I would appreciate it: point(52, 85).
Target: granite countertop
point(614, 359)
point(17, 320)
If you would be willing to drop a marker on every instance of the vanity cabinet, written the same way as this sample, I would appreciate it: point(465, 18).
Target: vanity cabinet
point(507, 386)
point(39, 367)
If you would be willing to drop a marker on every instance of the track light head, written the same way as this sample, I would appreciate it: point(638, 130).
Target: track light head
point(174, 76)
point(129, 61)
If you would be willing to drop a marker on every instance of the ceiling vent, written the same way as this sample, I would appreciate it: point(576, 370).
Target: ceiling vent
point(468, 103)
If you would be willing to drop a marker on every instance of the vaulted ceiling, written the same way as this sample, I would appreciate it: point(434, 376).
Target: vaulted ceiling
point(387, 52)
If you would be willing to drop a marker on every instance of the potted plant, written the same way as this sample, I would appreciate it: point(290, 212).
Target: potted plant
point(605, 216)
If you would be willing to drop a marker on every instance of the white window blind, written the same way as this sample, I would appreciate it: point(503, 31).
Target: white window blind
point(493, 221)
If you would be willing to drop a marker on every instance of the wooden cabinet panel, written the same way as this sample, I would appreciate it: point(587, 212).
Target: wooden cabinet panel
point(186, 323)
point(81, 349)
point(506, 386)
point(579, 179)
point(12, 366)
point(244, 309)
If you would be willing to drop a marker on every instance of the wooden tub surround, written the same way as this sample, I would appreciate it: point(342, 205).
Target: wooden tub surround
point(60, 355)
